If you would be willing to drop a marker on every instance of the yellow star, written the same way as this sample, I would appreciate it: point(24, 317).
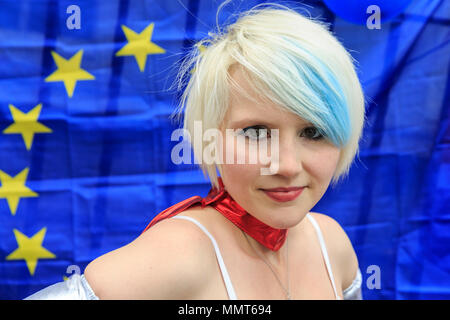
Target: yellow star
point(139, 45)
point(14, 188)
point(69, 71)
point(30, 249)
point(26, 124)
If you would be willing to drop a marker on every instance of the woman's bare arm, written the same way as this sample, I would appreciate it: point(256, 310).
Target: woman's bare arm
point(340, 249)
point(172, 260)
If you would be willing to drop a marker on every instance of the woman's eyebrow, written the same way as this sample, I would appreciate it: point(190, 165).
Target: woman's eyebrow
point(252, 121)
point(240, 123)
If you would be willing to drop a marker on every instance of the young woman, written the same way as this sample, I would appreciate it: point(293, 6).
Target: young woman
point(273, 77)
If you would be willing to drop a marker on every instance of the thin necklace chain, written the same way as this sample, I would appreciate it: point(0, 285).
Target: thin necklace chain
point(288, 290)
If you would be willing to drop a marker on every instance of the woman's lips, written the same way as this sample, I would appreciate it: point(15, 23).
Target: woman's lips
point(283, 194)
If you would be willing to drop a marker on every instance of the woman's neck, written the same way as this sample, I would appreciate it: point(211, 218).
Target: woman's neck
point(276, 258)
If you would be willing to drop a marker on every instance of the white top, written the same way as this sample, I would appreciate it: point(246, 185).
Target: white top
point(353, 292)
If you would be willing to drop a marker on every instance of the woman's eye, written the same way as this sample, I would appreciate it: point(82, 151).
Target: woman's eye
point(256, 132)
point(312, 133)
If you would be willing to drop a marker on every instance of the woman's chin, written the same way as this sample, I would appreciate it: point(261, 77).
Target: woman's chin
point(285, 219)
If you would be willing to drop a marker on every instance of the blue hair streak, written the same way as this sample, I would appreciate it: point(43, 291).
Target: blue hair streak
point(313, 92)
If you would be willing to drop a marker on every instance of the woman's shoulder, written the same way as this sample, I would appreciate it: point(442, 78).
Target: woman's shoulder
point(339, 247)
point(171, 260)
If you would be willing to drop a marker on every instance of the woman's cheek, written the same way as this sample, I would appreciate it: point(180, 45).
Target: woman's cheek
point(325, 163)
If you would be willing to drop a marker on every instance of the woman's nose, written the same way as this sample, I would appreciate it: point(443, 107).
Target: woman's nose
point(287, 162)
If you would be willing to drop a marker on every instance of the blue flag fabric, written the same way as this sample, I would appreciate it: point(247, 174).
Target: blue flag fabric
point(85, 148)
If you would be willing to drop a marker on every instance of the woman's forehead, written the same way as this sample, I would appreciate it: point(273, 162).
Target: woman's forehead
point(241, 87)
point(245, 112)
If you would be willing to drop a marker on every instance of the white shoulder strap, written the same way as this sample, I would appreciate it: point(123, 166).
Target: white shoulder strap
point(223, 269)
point(324, 253)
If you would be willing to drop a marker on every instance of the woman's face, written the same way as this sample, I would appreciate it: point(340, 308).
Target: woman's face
point(305, 159)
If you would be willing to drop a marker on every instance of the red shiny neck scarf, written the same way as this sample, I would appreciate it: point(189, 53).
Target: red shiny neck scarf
point(221, 201)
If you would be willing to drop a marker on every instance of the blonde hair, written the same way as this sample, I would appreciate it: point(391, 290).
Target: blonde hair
point(292, 60)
